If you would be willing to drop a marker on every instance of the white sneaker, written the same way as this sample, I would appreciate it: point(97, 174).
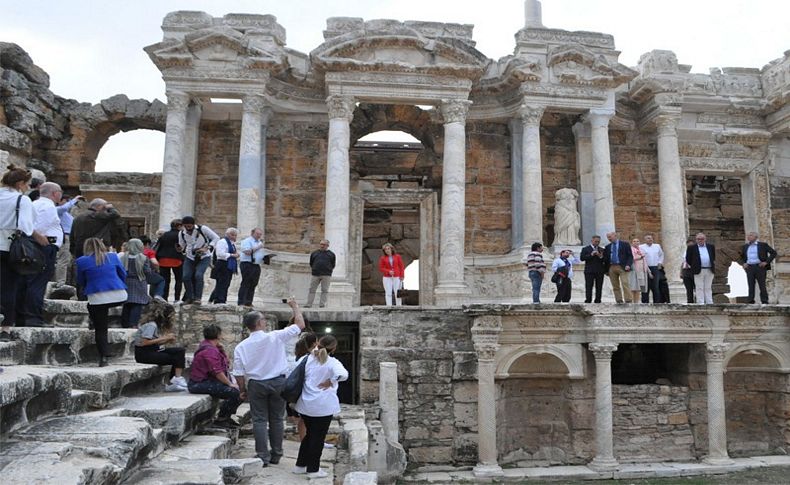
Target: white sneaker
point(299, 470)
point(175, 388)
point(319, 474)
point(179, 381)
point(328, 446)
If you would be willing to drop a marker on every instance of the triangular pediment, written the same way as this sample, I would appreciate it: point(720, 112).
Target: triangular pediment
point(576, 64)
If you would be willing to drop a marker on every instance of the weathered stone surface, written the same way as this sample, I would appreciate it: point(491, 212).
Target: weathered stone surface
point(109, 382)
point(197, 472)
point(199, 447)
point(361, 478)
point(177, 413)
point(31, 393)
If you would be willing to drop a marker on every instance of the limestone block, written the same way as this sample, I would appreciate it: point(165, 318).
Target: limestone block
point(115, 104)
point(110, 381)
point(465, 447)
point(200, 447)
point(465, 391)
point(13, 140)
point(464, 366)
point(361, 478)
point(431, 454)
point(12, 353)
point(42, 465)
point(14, 57)
point(465, 415)
point(29, 393)
point(177, 413)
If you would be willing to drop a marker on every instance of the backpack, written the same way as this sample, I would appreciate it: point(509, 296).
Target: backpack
point(25, 254)
point(294, 384)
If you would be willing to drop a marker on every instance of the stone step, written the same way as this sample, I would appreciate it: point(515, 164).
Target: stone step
point(118, 378)
point(199, 447)
point(28, 393)
point(67, 346)
point(197, 472)
point(12, 353)
point(179, 414)
point(89, 448)
point(80, 401)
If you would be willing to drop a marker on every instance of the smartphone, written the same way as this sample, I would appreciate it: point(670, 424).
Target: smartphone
point(285, 300)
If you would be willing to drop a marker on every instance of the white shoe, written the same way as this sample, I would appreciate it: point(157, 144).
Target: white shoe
point(319, 474)
point(179, 381)
point(299, 470)
point(328, 446)
point(175, 388)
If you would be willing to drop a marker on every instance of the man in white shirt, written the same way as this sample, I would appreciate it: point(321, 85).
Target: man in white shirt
point(654, 258)
point(252, 254)
point(31, 290)
point(260, 365)
point(226, 265)
point(196, 242)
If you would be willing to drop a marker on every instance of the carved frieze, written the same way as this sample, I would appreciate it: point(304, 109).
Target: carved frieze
point(658, 62)
point(749, 138)
point(730, 119)
point(557, 36)
point(717, 165)
point(576, 64)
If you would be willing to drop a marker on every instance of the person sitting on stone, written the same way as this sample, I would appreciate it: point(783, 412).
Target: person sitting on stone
point(210, 375)
point(152, 335)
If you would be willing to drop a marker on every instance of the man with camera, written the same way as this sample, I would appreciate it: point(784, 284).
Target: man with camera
point(196, 242)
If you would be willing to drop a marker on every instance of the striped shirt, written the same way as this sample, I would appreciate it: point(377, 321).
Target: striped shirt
point(535, 262)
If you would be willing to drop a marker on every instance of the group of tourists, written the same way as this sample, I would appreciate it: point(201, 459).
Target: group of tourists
point(636, 269)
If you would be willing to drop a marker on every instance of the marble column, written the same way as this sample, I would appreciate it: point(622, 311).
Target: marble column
point(338, 194)
point(517, 183)
point(585, 180)
point(672, 192)
point(485, 336)
point(604, 440)
point(602, 170)
point(249, 194)
point(717, 419)
point(173, 169)
point(266, 115)
point(452, 289)
point(531, 175)
point(388, 399)
point(191, 145)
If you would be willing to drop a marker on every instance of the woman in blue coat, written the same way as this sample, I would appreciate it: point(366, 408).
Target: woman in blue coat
point(103, 277)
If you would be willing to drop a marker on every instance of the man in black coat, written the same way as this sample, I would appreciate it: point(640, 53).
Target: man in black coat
point(701, 258)
point(757, 257)
point(618, 262)
point(593, 255)
point(322, 263)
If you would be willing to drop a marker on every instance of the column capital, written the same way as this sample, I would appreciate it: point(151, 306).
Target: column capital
point(599, 117)
point(341, 106)
point(530, 114)
point(602, 350)
point(581, 129)
point(454, 110)
point(253, 103)
point(177, 100)
point(716, 351)
point(485, 336)
point(667, 124)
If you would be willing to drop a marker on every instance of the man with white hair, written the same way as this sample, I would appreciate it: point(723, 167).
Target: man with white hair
point(226, 266)
point(101, 220)
point(757, 257)
point(31, 290)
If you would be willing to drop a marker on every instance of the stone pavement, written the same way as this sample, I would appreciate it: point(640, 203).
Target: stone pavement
point(578, 473)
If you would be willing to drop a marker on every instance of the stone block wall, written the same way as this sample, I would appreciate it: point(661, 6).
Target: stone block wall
point(558, 165)
point(634, 184)
point(780, 214)
point(217, 174)
point(758, 413)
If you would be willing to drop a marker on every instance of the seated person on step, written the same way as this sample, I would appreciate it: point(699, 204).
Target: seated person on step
point(210, 375)
point(156, 331)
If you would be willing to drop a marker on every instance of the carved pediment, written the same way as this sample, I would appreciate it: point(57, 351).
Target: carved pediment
point(576, 64)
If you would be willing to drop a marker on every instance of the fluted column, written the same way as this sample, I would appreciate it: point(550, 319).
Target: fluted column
point(602, 170)
point(717, 418)
point(452, 288)
point(337, 203)
point(249, 193)
point(517, 183)
point(604, 436)
point(485, 336)
point(531, 175)
point(191, 149)
point(173, 168)
point(671, 187)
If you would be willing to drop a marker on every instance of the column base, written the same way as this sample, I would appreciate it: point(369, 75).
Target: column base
point(451, 294)
point(602, 464)
point(721, 460)
point(487, 470)
point(677, 292)
point(341, 295)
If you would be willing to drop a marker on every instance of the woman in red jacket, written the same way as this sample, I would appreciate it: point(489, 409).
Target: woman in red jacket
point(391, 267)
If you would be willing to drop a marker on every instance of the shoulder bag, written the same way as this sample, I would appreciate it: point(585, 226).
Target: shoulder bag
point(25, 254)
point(295, 382)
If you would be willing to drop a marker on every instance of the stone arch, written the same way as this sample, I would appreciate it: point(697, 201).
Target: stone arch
point(114, 115)
point(550, 356)
point(758, 355)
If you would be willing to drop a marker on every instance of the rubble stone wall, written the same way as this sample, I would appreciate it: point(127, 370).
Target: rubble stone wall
point(758, 409)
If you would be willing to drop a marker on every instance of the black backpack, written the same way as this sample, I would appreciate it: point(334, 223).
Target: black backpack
point(25, 254)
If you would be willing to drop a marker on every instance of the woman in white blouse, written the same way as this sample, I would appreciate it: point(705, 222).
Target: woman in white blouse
point(318, 403)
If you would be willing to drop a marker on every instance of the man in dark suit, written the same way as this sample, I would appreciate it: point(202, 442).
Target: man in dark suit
point(757, 257)
point(701, 258)
point(618, 261)
point(592, 255)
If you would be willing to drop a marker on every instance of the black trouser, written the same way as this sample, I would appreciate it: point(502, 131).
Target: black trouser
point(688, 282)
point(165, 272)
point(563, 291)
point(591, 279)
point(313, 443)
point(224, 275)
point(31, 290)
point(756, 274)
point(250, 275)
point(99, 318)
point(9, 282)
point(215, 388)
point(151, 354)
point(654, 286)
point(663, 288)
point(130, 314)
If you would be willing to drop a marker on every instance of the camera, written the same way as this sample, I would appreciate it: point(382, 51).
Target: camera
point(285, 300)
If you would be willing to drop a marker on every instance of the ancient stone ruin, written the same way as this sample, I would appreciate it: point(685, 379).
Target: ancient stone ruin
point(554, 143)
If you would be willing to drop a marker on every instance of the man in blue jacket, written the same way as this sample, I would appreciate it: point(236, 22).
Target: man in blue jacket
point(618, 261)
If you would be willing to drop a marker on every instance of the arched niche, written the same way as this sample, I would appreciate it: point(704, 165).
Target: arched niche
point(758, 356)
point(541, 361)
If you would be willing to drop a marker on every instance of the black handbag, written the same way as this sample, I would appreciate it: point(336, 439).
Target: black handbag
point(294, 383)
point(25, 254)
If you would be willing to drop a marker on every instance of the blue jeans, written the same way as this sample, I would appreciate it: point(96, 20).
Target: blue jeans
point(537, 280)
point(193, 278)
point(215, 388)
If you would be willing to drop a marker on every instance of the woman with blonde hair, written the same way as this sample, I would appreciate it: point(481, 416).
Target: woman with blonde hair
point(103, 277)
point(138, 270)
point(392, 272)
point(318, 403)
